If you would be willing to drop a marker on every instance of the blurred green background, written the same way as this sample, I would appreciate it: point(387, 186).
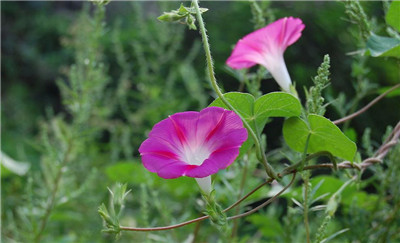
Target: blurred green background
point(147, 70)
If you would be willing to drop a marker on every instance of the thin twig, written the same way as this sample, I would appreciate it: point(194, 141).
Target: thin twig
point(365, 108)
point(248, 195)
point(165, 227)
point(265, 203)
point(241, 189)
point(52, 199)
point(305, 206)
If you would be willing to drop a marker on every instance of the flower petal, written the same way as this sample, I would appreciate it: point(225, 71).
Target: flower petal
point(159, 145)
point(174, 170)
point(270, 40)
point(187, 141)
point(230, 135)
point(266, 46)
point(217, 160)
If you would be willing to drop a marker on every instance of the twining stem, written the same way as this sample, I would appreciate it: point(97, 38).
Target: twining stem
point(365, 108)
point(206, 217)
point(295, 166)
point(210, 68)
point(248, 195)
point(265, 203)
point(305, 205)
point(242, 182)
point(306, 184)
point(197, 219)
point(391, 141)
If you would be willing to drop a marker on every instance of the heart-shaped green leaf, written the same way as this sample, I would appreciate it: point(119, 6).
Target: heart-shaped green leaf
point(276, 104)
point(325, 136)
point(393, 15)
point(381, 46)
point(257, 112)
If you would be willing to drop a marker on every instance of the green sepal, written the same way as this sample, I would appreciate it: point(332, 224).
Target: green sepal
point(214, 210)
point(112, 214)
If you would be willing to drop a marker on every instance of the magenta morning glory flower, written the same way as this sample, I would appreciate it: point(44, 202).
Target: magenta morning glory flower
point(266, 47)
point(194, 144)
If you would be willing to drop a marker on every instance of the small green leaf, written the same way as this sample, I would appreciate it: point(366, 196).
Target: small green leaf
point(190, 20)
point(171, 17)
point(393, 15)
point(183, 15)
point(182, 10)
point(379, 46)
point(325, 136)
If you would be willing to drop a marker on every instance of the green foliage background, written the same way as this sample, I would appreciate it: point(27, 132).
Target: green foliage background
point(83, 85)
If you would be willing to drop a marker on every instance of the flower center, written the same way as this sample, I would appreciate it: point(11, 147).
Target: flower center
point(195, 155)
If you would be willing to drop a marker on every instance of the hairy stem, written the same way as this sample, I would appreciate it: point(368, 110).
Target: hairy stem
point(210, 68)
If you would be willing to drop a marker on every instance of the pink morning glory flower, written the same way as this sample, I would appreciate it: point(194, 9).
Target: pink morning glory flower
point(194, 144)
point(266, 47)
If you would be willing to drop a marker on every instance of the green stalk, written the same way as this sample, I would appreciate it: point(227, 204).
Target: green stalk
point(305, 205)
point(210, 67)
point(306, 177)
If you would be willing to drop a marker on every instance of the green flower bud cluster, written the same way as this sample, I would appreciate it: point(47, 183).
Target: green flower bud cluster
point(100, 2)
point(184, 15)
point(315, 101)
point(111, 216)
point(357, 15)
